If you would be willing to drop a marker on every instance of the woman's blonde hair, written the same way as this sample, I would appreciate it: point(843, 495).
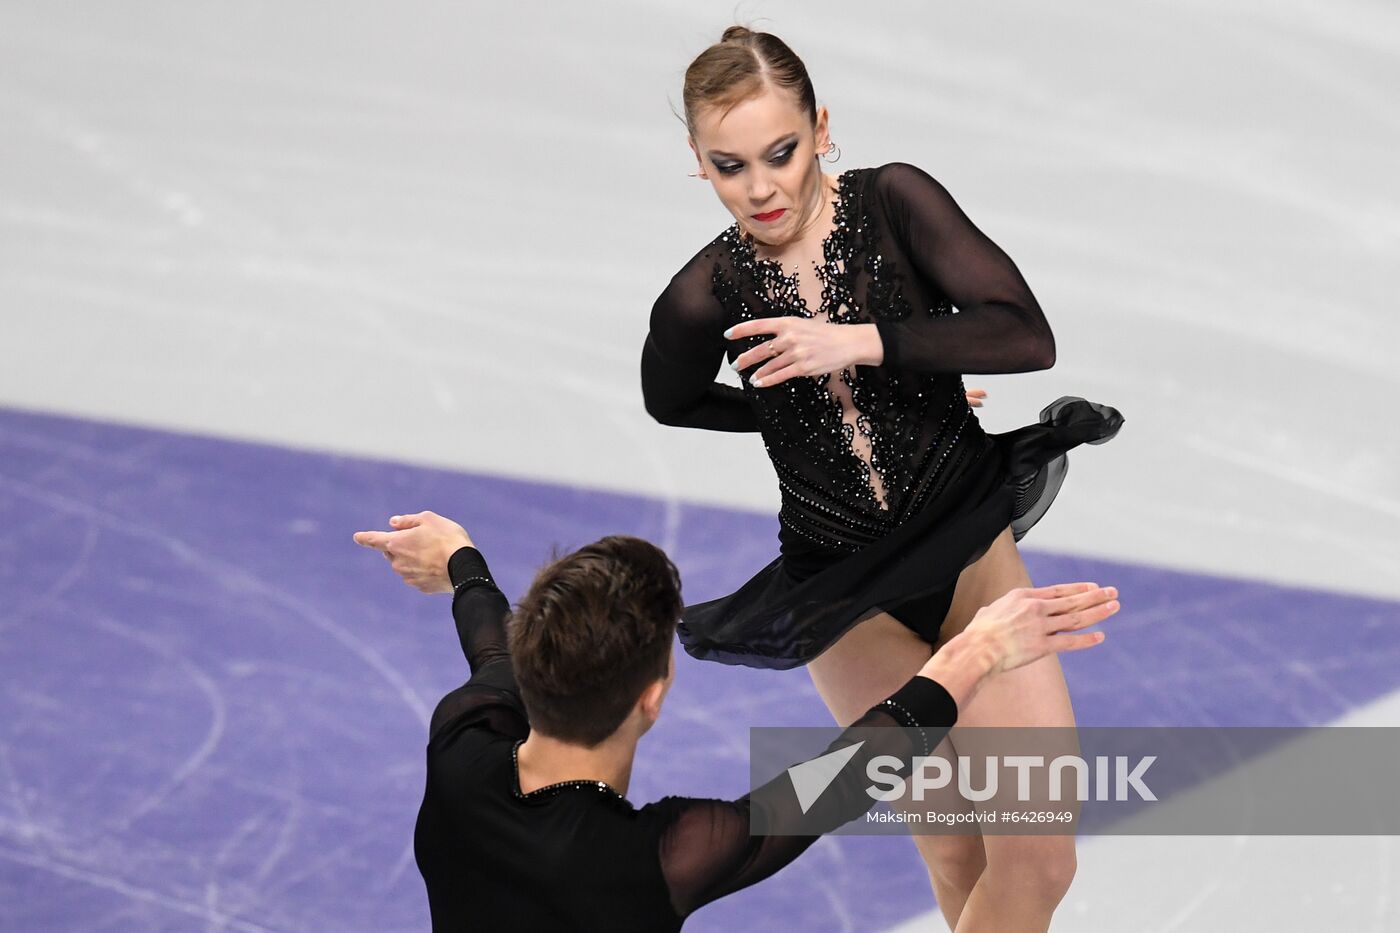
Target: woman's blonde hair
point(737, 66)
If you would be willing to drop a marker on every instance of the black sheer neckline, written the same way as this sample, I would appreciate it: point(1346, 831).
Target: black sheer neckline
point(831, 241)
point(553, 790)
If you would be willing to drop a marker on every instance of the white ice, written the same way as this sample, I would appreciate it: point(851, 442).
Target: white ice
point(433, 232)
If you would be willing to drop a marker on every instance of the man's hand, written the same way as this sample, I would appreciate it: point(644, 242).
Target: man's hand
point(418, 548)
point(1023, 626)
point(1027, 624)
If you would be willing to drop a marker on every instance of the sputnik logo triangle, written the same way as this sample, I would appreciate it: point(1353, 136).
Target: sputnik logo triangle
point(810, 778)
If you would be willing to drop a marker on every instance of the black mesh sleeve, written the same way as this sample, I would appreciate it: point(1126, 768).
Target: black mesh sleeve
point(480, 610)
point(682, 354)
point(999, 326)
point(707, 850)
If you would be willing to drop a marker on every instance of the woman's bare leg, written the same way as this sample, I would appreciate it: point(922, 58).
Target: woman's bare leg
point(869, 663)
point(1006, 883)
point(1025, 877)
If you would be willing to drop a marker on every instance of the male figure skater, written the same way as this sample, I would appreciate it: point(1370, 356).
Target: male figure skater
point(525, 824)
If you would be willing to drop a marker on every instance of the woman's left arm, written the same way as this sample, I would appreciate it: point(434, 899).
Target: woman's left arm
point(999, 326)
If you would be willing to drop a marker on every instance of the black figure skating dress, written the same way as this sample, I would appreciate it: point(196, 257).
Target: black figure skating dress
point(902, 256)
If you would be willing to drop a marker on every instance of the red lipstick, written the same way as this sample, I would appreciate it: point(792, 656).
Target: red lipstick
point(770, 216)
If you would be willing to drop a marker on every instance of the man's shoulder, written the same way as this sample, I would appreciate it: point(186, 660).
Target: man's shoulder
point(709, 810)
point(475, 716)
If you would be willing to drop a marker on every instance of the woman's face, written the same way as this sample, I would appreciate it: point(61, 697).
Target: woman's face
point(761, 158)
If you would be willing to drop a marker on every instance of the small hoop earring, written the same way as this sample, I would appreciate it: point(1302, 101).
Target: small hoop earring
point(830, 148)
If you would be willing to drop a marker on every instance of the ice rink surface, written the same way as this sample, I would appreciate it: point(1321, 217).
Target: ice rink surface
point(271, 273)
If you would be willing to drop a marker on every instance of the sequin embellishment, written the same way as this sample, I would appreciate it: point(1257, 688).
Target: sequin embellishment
point(554, 790)
point(915, 427)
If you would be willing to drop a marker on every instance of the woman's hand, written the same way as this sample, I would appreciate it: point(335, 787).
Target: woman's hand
point(804, 347)
point(418, 549)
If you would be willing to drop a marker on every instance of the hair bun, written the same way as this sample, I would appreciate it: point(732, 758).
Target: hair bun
point(740, 66)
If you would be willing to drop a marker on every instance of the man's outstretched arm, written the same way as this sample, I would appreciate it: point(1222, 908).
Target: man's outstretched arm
point(436, 555)
point(709, 848)
point(479, 609)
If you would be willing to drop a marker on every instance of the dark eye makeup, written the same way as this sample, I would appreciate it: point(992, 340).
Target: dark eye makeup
point(780, 158)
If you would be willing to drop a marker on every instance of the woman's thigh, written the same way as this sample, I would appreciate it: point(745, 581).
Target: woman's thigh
point(1034, 695)
point(866, 665)
point(878, 656)
point(1031, 696)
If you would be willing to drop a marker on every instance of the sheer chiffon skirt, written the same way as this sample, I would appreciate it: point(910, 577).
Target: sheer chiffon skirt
point(805, 600)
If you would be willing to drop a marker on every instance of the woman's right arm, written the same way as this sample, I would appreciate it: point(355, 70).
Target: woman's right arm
point(681, 356)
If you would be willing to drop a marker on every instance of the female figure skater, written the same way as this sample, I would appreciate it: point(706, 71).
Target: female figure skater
point(833, 298)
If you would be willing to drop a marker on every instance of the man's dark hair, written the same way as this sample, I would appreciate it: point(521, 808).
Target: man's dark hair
point(594, 629)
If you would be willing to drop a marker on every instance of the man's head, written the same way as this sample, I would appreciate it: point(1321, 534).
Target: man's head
point(591, 640)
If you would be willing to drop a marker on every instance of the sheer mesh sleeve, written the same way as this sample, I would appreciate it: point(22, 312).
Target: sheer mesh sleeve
point(999, 327)
point(480, 609)
point(707, 850)
point(682, 353)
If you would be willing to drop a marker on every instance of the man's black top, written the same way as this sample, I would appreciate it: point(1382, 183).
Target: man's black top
point(579, 856)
